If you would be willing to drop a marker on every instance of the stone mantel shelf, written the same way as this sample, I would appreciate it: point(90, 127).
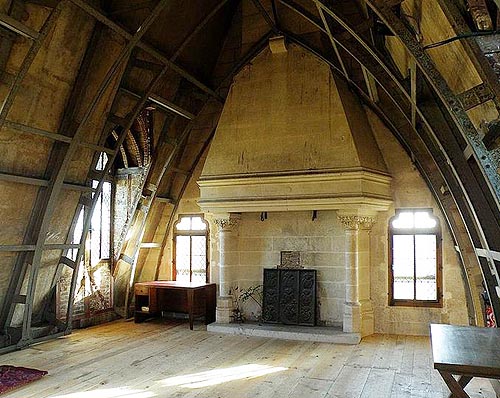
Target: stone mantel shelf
point(293, 176)
point(332, 190)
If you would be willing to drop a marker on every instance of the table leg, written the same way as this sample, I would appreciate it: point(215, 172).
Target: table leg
point(456, 387)
point(463, 381)
point(190, 297)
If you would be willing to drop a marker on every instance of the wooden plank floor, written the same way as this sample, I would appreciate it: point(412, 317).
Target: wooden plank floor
point(166, 359)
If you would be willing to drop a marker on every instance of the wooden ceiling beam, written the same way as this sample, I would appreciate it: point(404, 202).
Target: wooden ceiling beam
point(258, 5)
point(41, 182)
point(17, 27)
point(45, 3)
point(298, 9)
point(53, 136)
point(27, 61)
point(197, 29)
point(145, 47)
point(30, 248)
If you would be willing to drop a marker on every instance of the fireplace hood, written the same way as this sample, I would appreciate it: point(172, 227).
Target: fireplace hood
point(292, 136)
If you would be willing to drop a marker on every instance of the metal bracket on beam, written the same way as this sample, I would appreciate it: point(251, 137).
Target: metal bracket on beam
point(163, 103)
point(475, 96)
point(491, 256)
point(161, 199)
point(85, 200)
point(68, 262)
point(169, 106)
point(19, 299)
point(488, 253)
point(492, 134)
point(127, 259)
point(371, 85)
point(468, 152)
point(151, 187)
point(95, 174)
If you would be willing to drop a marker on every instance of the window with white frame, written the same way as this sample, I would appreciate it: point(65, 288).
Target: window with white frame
point(190, 249)
point(414, 258)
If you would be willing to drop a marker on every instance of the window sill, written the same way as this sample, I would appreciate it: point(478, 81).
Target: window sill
point(412, 303)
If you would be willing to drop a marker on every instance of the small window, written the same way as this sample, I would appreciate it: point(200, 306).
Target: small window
point(190, 249)
point(100, 226)
point(415, 258)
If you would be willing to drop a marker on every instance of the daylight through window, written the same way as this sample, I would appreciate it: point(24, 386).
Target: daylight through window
point(415, 258)
point(190, 248)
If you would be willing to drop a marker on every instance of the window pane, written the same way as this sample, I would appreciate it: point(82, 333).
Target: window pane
point(423, 219)
point(425, 246)
point(403, 220)
point(101, 163)
point(199, 259)
point(106, 221)
point(95, 234)
point(182, 256)
point(403, 266)
point(184, 224)
point(198, 224)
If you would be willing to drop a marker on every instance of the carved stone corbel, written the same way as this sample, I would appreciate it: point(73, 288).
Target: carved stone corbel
point(227, 224)
point(355, 222)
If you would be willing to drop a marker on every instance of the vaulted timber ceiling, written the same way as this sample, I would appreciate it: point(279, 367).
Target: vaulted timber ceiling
point(76, 74)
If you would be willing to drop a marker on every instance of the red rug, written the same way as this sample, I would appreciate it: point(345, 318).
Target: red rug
point(13, 377)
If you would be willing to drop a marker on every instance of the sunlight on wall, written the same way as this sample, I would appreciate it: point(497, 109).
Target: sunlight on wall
point(219, 376)
point(109, 393)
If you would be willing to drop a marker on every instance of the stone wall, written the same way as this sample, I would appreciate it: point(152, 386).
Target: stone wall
point(320, 242)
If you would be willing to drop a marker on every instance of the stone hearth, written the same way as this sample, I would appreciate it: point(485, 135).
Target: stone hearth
point(319, 334)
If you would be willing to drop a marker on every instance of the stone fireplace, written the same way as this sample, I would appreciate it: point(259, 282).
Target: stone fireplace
point(306, 158)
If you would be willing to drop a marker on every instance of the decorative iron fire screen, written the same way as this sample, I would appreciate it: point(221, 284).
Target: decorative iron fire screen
point(289, 296)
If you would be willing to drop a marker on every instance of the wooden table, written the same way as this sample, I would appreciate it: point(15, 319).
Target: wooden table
point(194, 299)
point(466, 351)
